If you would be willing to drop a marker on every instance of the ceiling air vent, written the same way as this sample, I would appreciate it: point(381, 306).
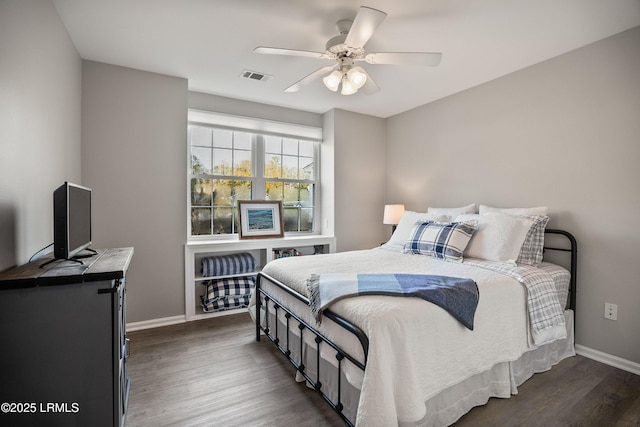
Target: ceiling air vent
point(254, 75)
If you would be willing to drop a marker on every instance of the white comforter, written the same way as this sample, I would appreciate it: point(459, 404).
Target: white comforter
point(416, 349)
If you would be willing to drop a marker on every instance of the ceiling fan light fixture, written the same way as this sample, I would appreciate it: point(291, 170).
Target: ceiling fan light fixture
point(332, 81)
point(348, 47)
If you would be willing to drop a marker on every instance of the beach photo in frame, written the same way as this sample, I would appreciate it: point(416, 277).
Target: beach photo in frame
point(260, 219)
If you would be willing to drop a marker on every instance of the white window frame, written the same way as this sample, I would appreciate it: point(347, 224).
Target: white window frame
point(259, 127)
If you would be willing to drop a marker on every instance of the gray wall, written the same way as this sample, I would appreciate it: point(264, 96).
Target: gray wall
point(40, 81)
point(358, 145)
point(134, 158)
point(564, 133)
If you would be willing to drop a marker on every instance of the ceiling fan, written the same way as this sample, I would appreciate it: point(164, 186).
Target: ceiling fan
point(347, 49)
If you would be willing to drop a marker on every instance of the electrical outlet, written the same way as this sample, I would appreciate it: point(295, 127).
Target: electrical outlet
point(610, 311)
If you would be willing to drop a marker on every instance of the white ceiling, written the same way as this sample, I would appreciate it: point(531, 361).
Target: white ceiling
point(210, 42)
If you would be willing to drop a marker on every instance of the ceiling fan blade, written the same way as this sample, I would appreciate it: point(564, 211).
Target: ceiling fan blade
point(370, 87)
point(366, 22)
point(310, 78)
point(431, 59)
point(291, 52)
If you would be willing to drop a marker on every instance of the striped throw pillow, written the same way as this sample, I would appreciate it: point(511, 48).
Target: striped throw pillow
point(223, 265)
point(440, 240)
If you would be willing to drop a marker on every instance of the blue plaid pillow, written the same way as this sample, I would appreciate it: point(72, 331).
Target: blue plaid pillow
point(223, 265)
point(440, 240)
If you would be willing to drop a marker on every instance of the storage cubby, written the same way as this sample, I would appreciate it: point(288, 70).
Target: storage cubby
point(263, 250)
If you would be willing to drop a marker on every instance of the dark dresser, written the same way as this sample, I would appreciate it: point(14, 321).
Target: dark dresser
point(63, 358)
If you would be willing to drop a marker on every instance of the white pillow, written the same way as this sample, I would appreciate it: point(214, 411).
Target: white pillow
point(404, 228)
point(533, 247)
point(541, 210)
point(447, 214)
point(498, 237)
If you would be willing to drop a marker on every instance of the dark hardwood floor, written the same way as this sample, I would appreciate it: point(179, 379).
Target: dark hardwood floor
point(213, 373)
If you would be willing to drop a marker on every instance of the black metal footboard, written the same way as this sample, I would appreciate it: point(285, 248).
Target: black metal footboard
point(263, 297)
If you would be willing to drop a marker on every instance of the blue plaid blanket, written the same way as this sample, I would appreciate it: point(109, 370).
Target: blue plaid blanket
point(228, 287)
point(459, 297)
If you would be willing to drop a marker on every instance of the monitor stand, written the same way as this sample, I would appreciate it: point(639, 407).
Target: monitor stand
point(75, 258)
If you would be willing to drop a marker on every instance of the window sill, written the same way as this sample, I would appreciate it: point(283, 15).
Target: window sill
point(259, 243)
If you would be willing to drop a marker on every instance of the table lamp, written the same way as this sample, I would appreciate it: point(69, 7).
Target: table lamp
point(392, 215)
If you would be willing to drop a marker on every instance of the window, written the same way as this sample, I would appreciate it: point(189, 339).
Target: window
point(227, 165)
point(289, 176)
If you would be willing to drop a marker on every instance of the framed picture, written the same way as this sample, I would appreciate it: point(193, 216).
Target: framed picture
point(260, 219)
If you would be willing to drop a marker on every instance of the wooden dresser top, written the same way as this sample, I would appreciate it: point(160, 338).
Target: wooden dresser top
point(106, 264)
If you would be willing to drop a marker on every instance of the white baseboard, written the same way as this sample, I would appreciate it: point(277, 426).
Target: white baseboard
point(608, 359)
point(155, 323)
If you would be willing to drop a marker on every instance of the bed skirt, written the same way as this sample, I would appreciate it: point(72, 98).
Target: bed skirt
point(451, 404)
point(501, 381)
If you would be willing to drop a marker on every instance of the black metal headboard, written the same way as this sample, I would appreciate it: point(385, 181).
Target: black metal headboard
point(573, 249)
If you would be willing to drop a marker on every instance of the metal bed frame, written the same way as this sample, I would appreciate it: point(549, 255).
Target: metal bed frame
point(264, 298)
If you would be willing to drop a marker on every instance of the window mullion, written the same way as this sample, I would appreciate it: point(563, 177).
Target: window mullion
point(259, 187)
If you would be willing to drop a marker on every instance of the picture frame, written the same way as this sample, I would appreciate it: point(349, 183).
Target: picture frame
point(260, 219)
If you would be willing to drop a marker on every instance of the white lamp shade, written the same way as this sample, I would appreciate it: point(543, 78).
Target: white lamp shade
point(392, 214)
point(347, 87)
point(357, 77)
point(332, 81)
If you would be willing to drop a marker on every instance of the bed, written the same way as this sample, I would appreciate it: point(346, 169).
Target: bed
point(388, 360)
